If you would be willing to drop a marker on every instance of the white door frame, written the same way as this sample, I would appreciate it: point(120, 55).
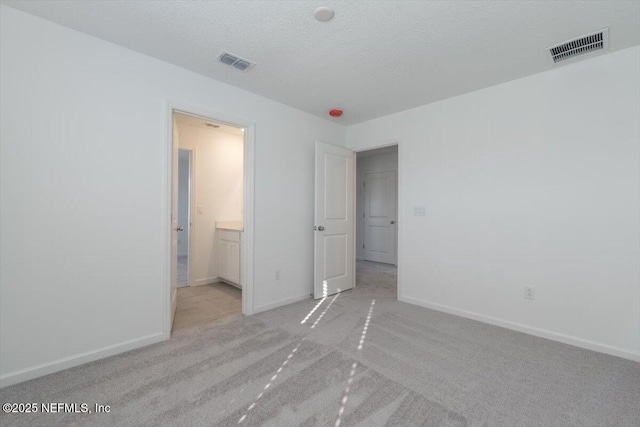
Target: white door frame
point(247, 244)
point(400, 195)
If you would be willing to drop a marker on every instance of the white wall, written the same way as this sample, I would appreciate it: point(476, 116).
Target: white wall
point(183, 202)
point(218, 192)
point(534, 182)
point(84, 193)
point(375, 163)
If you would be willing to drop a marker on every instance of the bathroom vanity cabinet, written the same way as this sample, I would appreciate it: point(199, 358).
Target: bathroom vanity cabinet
point(229, 245)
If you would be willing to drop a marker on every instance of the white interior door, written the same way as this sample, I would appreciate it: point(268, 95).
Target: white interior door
point(174, 222)
point(334, 220)
point(380, 207)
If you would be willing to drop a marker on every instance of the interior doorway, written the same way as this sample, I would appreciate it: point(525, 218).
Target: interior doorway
point(211, 222)
point(377, 221)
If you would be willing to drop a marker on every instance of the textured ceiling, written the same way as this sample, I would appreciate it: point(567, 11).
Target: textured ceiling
point(374, 58)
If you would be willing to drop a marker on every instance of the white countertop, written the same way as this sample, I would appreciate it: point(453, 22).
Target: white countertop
point(230, 225)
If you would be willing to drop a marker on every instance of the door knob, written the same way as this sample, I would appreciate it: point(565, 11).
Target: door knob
point(393, 222)
point(181, 228)
point(320, 228)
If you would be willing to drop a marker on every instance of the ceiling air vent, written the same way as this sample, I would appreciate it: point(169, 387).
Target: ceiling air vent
point(597, 40)
point(235, 61)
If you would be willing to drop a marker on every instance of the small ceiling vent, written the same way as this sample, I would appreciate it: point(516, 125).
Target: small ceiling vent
point(597, 40)
point(235, 61)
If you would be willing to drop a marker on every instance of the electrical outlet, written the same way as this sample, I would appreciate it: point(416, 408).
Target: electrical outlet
point(277, 274)
point(529, 292)
point(419, 211)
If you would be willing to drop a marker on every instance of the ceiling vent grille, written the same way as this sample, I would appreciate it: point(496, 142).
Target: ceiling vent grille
point(597, 40)
point(235, 61)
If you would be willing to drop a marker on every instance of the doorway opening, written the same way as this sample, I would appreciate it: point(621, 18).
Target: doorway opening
point(377, 221)
point(211, 223)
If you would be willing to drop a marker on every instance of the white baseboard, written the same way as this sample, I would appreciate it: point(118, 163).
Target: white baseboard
point(230, 283)
point(542, 333)
point(280, 303)
point(207, 281)
point(78, 359)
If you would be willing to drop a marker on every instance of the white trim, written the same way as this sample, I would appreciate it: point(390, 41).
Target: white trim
point(206, 281)
point(247, 251)
point(227, 282)
point(538, 332)
point(166, 296)
point(247, 244)
point(281, 303)
point(400, 220)
point(354, 246)
point(78, 359)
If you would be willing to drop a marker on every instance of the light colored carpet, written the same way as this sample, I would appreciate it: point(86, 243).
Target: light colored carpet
point(415, 367)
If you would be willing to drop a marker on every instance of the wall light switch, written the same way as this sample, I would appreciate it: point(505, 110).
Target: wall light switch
point(419, 211)
point(200, 210)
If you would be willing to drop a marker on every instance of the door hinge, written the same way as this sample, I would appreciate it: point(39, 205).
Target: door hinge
point(362, 246)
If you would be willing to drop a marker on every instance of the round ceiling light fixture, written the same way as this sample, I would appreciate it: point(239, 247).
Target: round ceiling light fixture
point(324, 13)
point(335, 112)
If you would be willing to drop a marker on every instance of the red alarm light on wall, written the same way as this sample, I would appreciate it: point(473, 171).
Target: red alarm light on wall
point(335, 113)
